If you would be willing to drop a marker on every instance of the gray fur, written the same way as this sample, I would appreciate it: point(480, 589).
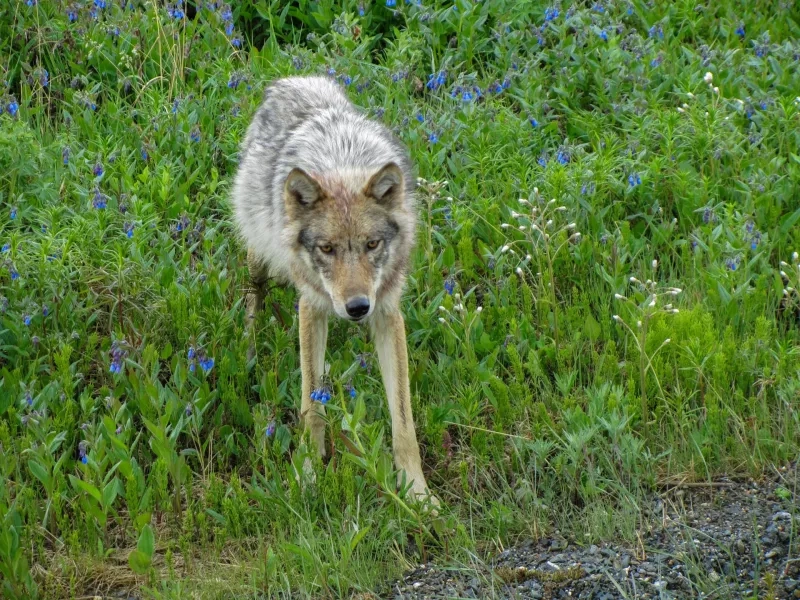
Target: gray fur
point(308, 123)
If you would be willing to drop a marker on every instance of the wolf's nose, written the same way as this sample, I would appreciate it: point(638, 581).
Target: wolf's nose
point(357, 307)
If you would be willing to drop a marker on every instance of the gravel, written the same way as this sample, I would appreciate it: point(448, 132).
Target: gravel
point(727, 540)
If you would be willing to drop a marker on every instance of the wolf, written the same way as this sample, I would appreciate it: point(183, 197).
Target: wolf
point(324, 199)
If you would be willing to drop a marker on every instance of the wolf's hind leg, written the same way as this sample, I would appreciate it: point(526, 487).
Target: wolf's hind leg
point(254, 301)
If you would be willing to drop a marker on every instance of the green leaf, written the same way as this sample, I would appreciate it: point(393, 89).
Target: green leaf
point(358, 537)
point(41, 474)
point(80, 484)
point(139, 562)
point(217, 517)
point(592, 328)
point(110, 493)
point(147, 543)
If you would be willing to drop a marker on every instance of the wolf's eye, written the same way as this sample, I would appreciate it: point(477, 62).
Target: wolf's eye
point(372, 244)
point(326, 249)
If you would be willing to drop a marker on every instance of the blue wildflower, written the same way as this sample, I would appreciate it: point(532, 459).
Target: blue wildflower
point(352, 392)
point(30, 2)
point(436, 80)
point(13, 107)
point(449, 285)
point(229, 28)
point(420, 117)
point(550, 14)
point(755, 240)
point(128, 229)
point(27, 320)
point(119, 353)
point(14, 273)
point(361, 10)
point(65, 155)
point(100, 200)
point(195, 134)
point(226, 13)
point(237, 77)
point(533, 122)
point(634, 180)
point(347, 80)
point(599, 8)
point(496, 87)
point(740, 30)
point(732, 263)
point(657, 61)
point(98, 169)
point(72, 14)
point(321, 395)
point(542, 160)
point(188, 410)
point(207, 363)
point(604, 35)
point(466, 96)
point(101, 4)
point(562, 157)
point(433, 138)
point(45, 310)
point(656, 31)
point(237, 42)
point(44, 78)
point(391, 3)
point(13, 213)
point(270, 430)
point(6, 248)
point(82, 446)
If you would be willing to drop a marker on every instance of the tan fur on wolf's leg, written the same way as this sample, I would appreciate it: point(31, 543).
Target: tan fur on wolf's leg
point(389, 333)
point(313, 340)
point(254, 301)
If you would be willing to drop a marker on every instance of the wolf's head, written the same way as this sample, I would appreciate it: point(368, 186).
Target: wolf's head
point(352, 231)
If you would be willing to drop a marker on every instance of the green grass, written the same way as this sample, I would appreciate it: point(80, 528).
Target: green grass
point(539, 412)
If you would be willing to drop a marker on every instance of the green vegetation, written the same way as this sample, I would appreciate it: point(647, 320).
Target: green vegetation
point(130, 462)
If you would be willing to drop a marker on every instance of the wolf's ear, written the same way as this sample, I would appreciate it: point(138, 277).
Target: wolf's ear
point(386, 186)
point(302, 191)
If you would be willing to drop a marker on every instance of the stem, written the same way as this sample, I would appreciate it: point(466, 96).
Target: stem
point(643, 371)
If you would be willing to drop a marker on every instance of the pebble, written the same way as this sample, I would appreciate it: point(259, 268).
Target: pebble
point(721, 553)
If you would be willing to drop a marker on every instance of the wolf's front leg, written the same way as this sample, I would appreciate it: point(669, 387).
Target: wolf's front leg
point(390, 344)
point(313, 339)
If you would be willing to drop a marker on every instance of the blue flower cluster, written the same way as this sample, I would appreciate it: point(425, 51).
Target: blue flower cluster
point(321, 395)
point(119, 352)
point(199, 357)
point(436, 80)
point(82, 447)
